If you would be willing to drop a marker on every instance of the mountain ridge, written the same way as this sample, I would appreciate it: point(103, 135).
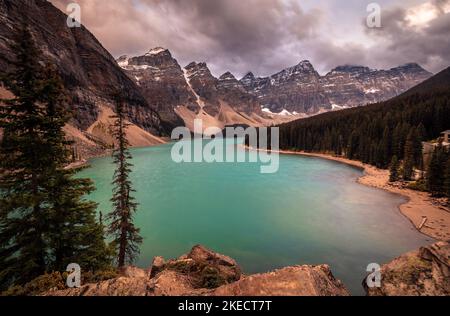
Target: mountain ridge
point(302, 89)
point(294, 92)
point(89, 71)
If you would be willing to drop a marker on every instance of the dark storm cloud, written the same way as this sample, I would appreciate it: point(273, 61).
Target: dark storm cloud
point(230, 35)
point(265, 36)
point(250, 35)
point(410, 37)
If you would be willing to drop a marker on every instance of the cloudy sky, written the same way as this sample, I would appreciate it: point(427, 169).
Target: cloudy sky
point(265, 36)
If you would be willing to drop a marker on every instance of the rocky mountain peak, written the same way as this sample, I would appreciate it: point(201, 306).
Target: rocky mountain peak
point(161, 81)
point(194, 66)
point(228, 80)
point(303, 71)
point(411, 68)
point(248, 80)
point(156, 58)
point(123, 60)
point(227, 76)
point(157, 51)
point(199, 70)
point(351, 69)
point(248, 76)
point(305, 65)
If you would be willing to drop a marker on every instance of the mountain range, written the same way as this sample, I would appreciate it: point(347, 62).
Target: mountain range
point(160, 94)
point(294, 92)
point(301, 89)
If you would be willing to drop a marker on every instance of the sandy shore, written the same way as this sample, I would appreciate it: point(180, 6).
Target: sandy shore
point(418, 207)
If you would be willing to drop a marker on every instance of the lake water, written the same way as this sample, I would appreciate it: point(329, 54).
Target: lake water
point(311, 212)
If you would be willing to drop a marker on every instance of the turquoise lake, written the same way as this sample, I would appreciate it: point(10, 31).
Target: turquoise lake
point(312, 211)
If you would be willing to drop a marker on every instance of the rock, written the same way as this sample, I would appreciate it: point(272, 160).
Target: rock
point(203, 272)
point(205, 268)
point(290, 281)
point(134, 272)
point(171, 283)
point(226, 266)
point(424, 272)
point(157, 266)
point(200, 253)
point(134, 282)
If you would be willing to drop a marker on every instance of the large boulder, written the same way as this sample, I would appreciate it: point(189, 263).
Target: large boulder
point(424, 272)
point(291, 281)
point(205, 268)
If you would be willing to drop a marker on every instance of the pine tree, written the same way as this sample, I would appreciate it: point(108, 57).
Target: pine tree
point(410, 156)
point(394, 169)
point(23, 165)
point(44, 221)
point(435, 175)
point(126, 235)
point(447, 178)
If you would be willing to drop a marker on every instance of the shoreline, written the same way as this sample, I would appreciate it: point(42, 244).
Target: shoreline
point(419, 205)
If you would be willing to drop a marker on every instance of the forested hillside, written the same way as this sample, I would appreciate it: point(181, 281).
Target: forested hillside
point(376, 133)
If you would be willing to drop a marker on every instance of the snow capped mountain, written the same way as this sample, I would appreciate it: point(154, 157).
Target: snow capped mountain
point(303, 90)
point(156, 51)
point(167, 87)
point(350, 86)
point(295, 91)
point(162, 82)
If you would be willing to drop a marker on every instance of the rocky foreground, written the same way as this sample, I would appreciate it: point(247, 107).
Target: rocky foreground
point(423, 272)
point(203, 272)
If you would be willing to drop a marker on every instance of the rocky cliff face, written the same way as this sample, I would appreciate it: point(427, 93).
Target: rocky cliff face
point(295, 89)
point(234, 93)
point(349, 86)
point(89, 72)
point(162, 82)
point(204, 84)
point(181, 95)
point(301, 89)
point(424, 272)
point(203, 272)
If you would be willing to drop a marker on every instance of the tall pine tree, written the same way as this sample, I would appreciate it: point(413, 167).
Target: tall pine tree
point(126, 235)
point(44, 221)
point(23, 164)
point(393, 174)
point(447, 178)
point(413, 153)
point(436, 173)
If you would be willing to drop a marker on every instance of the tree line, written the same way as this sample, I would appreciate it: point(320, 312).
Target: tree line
point(46, 222)
point(386, 135)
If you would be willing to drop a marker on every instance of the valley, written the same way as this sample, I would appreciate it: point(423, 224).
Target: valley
point(112, 160)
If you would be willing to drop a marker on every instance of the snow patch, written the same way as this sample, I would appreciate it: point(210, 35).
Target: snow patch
point(200, 103)
point(155, 51)
point(282, 113)
point(371, 91)
point(285, 113)
point(123, 61)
